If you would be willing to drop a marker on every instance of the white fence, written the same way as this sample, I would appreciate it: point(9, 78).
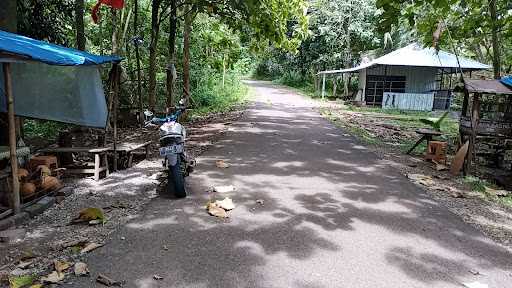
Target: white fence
point(408, 101)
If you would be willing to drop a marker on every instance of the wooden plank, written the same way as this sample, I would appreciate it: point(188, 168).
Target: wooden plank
point(85, 170)
point(128, 147)
point(74, 149)
point(12, 138)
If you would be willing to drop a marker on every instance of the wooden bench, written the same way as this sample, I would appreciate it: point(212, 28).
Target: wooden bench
point(99, 155)
point(130, 148)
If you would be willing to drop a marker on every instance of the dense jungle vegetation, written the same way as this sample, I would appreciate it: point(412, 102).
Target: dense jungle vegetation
point(201, 49)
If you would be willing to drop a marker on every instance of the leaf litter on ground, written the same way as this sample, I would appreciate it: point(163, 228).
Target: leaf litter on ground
point(222, 164)
point(224, 189)
point(81, 269)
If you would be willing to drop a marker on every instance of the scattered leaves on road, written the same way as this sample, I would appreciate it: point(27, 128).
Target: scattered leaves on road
point(89, 247)
point(222, 164)
point(54, 277)
point(90, 214)
point(216, 211)
point(226, 204)
point(421, 179)
point(224, 189)
point(61, 266)
point(81, 269)
point(107, 281)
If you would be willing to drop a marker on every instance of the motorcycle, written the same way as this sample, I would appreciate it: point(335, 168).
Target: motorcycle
point(172, 149)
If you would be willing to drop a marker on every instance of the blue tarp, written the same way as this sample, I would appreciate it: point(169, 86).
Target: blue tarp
point(49, 53)
point(507, 80)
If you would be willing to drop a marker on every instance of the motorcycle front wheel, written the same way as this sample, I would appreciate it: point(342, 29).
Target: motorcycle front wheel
point(176, 180)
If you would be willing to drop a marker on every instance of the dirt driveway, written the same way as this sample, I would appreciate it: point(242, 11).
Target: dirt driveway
point(332, 215)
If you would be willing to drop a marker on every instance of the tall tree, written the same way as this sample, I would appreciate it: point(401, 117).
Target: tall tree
point(153, 46)
point(496, 57)
point(137, 41)
point(79, 25)
point(187, 29)
point(171, 67)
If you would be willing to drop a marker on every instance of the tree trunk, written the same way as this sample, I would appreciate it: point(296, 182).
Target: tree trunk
point(171, 68)
point(79, 25)
point(187, 29)
point(496, 57)
point(111, 77)
point(137, 59)
point(155, 29)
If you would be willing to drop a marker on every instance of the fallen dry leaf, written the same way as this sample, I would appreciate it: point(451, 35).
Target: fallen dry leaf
point(216, 211)
point(157, 277)
point(224, 189)
point(90, 247)
point(54, 277)
point(89, 214)
point(226, 204)
point(24, 264)
point(81, 269)
point(107, 281)
point(221, 164)
point(475, 284)
point(61, 266)
point(421, 179)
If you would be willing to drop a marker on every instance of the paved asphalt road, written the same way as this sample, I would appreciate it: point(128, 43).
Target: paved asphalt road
point(333, 216)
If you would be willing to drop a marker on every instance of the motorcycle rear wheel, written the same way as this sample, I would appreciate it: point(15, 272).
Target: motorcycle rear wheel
point(176, 180)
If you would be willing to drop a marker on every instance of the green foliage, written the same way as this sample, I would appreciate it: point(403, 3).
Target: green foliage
point(209, 96)
point(475, 183)
point(339, 32)
point(21, 281)
point(50, 20)
point(467, 23)
point(43, 129)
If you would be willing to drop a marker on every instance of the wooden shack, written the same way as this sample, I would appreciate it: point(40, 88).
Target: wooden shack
point(486, 122)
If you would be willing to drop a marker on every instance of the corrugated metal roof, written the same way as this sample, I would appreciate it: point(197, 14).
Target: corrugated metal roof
point(415, 55)
point(487, 86)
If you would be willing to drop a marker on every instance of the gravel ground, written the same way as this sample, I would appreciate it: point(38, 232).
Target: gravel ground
point(492, 218)
point(122, 197)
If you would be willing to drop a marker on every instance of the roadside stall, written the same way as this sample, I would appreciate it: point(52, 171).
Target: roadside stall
point(486, 123)
point(46, 81)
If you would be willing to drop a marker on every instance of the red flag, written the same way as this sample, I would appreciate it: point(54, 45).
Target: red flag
point(116, 4)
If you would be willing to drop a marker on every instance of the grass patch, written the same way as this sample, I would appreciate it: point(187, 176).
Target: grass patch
point(212, 97)
point(355, 130)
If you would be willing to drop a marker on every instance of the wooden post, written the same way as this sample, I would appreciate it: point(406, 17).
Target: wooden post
point(323, 86)
point(475, 119)
point(114, 110)
point(15, 200)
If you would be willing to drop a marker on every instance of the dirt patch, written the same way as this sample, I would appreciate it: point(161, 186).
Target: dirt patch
point(388, 140)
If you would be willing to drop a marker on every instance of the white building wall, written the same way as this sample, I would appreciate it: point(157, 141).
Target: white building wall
point(418, 79)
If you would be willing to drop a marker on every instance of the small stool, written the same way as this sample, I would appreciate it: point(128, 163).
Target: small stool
point(436, 151)
point(49, 161)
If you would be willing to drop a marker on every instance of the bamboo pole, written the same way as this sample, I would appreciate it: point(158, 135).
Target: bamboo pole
point(15, 201)
point(115, 99)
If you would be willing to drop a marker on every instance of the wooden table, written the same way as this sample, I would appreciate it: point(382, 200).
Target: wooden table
point(99, 154)
point(129, 148)
point(426, 135)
